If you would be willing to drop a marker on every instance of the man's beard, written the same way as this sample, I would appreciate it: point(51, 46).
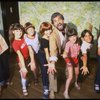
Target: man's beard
point(60, 27)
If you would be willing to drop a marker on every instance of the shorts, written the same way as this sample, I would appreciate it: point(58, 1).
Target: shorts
point(72, 61)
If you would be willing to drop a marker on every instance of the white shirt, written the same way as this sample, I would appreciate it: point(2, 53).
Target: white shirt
point(62, 39)
point(33, 42)
point(85, 45)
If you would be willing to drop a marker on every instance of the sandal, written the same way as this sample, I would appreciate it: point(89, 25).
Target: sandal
point(25, 93)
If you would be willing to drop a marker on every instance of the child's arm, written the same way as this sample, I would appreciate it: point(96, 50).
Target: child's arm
point(32, 63)
point(47, 54)
point(64, 55)
point(84, 67)
point(22, 63)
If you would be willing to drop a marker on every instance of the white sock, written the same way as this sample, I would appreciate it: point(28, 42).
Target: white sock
point(23, 81)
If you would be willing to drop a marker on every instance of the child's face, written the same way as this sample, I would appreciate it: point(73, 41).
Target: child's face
point(17, 33)
point(48, 32)
point(30, 31)
point(87, 37)
point(73, 38)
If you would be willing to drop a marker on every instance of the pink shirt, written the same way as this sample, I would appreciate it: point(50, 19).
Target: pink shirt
point(72, 49)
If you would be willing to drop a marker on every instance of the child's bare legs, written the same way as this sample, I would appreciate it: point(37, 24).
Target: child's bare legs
point(76, 77)
point(68, 81)
point(23, 82)
point(23, 73)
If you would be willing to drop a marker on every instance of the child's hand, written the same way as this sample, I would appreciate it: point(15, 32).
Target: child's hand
point(64, 55)
point(32, 65)
point(23, 71)
point(84, 70)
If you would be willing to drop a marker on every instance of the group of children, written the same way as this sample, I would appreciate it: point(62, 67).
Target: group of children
point(29, 47)
point(76, 56)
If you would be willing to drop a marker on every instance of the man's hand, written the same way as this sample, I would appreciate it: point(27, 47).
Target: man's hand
point(84, 70)
point(51, 68)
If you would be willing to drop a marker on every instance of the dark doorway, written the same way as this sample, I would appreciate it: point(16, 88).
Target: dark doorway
point(10, 14)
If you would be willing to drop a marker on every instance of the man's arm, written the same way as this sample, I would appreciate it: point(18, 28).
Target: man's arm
point(53, 54)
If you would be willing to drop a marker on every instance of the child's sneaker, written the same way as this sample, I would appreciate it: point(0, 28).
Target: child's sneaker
point(46, 94)
point(97, 88)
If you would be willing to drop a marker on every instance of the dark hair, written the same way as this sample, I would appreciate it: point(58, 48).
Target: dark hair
point(28, 25)
point(87, 31)
point(71, 32)
point(55, 15)
point(15, 26)
point(83, 34)
point(45, 26)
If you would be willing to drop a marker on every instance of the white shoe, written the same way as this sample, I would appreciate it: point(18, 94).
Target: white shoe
point(66, 95)
point(97, 87)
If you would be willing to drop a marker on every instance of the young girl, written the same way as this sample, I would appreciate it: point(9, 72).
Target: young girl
point(4, 63)
point(23, 53)
point(86, 44)
point(70, 54)
point(32, 39)
point(97, 77)
point(45, 30)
